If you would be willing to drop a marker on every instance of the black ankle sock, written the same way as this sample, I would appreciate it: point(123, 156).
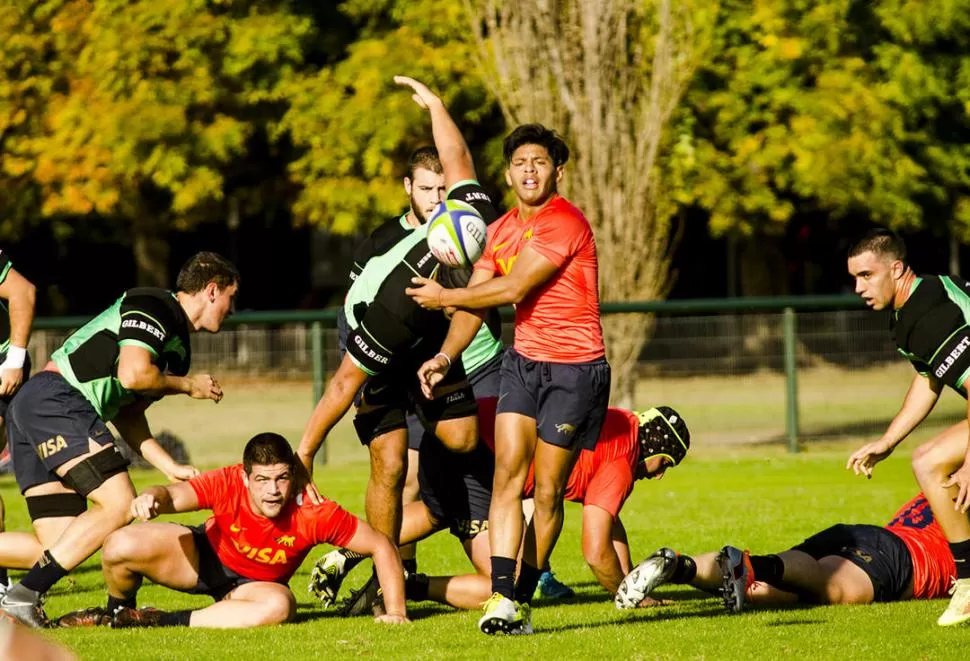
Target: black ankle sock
point(410, 565)
point(4, 577)
point(44, 574)
point(961, 556)
point(525, 587)
point(353, 559)
point(175, 619)
point(768, 569)
point(114, 603)
point(416, 587)
point(685, 571)
point(503, 576)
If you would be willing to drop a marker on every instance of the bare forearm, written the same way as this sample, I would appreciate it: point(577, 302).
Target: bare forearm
point(456, 159)
point(334, 404)
point(464, 327)
point(492, 293)
point(920, 400)
point(390, 574)
point(21, 310)
point(155, 382)
point(156, 455)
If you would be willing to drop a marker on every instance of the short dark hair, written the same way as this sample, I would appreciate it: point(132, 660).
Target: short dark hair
point(424, 157)
point(266, 449)
point(203, 268)
point(882, 242)
point(536, 134)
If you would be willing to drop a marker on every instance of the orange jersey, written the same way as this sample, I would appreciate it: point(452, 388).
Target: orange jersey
point(559, 321)
point(933, 566)
point(255, 546)
point(603, 477)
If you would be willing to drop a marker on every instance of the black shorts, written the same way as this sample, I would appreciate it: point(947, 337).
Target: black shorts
point(486, 379)
point(49, 423)
point(215, 579)
point(457, 488)
point(5, 401)
point(567, 400)
point(879, 553)
point(389, 397)
point(416, 431)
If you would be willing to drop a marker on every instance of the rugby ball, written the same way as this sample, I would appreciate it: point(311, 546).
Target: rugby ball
point(456, 234)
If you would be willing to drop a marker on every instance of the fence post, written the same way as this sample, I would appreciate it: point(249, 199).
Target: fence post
point(317, 357)
point(791, 379)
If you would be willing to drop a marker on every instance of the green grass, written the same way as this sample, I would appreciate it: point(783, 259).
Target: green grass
point(749, 494)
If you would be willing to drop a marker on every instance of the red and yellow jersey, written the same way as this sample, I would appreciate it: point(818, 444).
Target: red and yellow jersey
point(559, 321)
point(603, 477)
point(258, 547)
point(933, 566)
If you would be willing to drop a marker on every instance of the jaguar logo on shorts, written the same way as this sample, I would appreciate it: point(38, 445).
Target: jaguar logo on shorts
point(859, 553)
point(566, 429)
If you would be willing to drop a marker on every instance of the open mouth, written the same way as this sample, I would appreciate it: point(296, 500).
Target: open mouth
point(530, 184)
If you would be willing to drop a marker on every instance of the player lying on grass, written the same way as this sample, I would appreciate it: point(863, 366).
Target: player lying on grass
point(845, 564)
point(243, 556)
point(456, 492)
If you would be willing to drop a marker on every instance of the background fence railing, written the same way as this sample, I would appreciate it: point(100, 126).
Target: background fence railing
point(748, 370)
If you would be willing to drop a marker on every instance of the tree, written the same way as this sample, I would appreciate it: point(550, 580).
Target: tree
point(147, 106)
point(609, 75)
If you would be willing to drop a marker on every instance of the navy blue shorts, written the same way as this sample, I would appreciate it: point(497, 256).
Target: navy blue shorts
point(49, 423)
point(882, 555)
point(5, 401)
point(215, 579)
point(486, 379)
point(457, 488)
point(567, 400)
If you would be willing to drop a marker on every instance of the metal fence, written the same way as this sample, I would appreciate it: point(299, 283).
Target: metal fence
point(755, 370)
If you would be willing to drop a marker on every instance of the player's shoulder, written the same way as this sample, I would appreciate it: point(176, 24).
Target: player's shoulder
point(155, 301)
point(561, 208)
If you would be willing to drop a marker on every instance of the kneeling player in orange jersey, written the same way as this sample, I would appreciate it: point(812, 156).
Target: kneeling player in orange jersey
point(243, 556)
point(844, 564)
point(456, 492)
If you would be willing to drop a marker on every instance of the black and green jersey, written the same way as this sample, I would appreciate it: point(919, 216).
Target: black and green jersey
point(932, 329)
point(382, 319)
point(146, 317)
point(5, 266)
point(379, 242)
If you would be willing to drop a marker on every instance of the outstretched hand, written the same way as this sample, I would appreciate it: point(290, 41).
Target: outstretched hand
point(423, 96)
point(431, 373)
point(865, 458)
point(961, 479)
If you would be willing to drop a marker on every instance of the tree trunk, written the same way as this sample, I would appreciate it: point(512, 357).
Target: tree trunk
point(151, 250)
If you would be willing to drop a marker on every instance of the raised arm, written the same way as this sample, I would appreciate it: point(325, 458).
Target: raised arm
point(456, 158)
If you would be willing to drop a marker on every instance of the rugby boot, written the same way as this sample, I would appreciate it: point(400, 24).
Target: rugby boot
point(362, 601)
point(502, 615)
point(326, 577)
point(958, 611)
point(738, 576)
point(25, 606)
point(88, 617)
point(551, 588)
point(646, 577)
point(127, 618)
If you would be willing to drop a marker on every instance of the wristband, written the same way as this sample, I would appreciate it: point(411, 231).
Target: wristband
point(15, 358)
point(445, 356)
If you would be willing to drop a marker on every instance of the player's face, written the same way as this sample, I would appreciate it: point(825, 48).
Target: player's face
point(653, 468)
point(426, 190)
point(532, 174)
point(269, 488)
point(875, 278)
point(220, 303)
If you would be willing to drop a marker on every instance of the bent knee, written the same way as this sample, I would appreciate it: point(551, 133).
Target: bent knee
point(549, 496)
point(927, 459)
point(278, 610)
point(120, 546)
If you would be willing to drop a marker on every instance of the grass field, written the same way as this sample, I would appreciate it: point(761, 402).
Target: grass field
point(752, 495)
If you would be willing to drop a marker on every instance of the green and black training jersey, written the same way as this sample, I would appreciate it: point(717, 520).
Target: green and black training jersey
point(383, 320)
point(932, 329)
point(5, 266)
point(146, 317)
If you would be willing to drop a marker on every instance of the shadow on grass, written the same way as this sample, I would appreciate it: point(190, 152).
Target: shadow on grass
point(861, 428)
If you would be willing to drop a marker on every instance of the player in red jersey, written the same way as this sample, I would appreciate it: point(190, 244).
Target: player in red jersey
point(456, 490)
point(258, 535)
point(846, 564)
point(541, 257)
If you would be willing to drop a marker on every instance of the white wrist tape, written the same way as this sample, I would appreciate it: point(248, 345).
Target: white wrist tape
point(15, 358)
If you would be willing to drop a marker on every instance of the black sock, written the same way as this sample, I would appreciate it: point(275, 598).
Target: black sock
point(114, 603)
point(416, 587)
point(175, 619)
point(685, 571)
point(961, 556)
point(410, 565)
point(768, 569)
point(503, 576)
point(525, 587)
point(4, 577)
point(44, 574)
point(353, 559)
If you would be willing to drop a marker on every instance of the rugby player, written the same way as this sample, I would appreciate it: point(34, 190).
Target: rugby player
point(390, 337)
point(555, 379)
point(456, 492)
point(17, 550)
point(109, 370)
point(846, 564)
point(243, 556)
point(930, 321)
